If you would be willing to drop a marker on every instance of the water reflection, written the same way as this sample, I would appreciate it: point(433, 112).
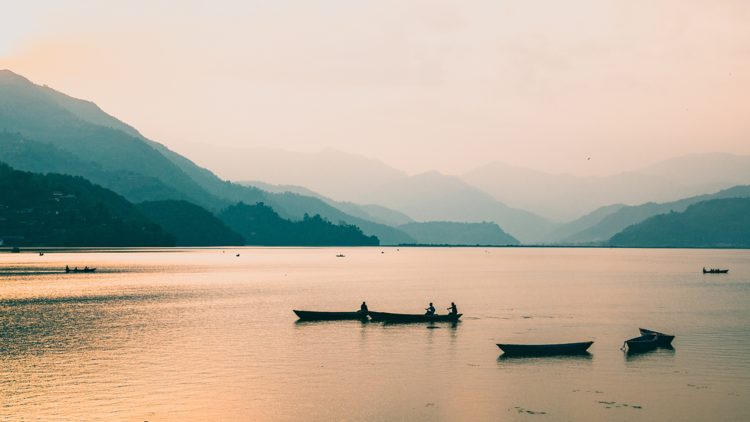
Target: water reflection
point(649, 355)
point(523, 359)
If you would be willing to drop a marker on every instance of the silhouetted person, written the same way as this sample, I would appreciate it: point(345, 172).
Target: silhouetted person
point(86, 268)
point(67, 269)
point(453, 310)
point(363, 308)
point(430, 310)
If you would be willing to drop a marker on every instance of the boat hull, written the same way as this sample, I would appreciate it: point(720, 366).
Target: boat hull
point(716, 272)
point(663, 340)
point(390, 317)
point(643, 343)
point(90, 270)
point(329, 316)
point(546, 349)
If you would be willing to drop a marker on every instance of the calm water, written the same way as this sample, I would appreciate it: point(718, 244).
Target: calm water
point(205, 335)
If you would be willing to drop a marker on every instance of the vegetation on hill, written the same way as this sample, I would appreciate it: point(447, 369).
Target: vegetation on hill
point(706, 224)
point(192, 224)
point(260, 225)
point(449, 233)
point(626, 216)
point(25, 154)
point(297, 206)
point(35, 113)
point(60, 210)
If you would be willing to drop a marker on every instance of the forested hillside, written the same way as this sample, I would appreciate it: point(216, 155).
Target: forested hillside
point(450, 233)
point(192, 224)
point(259, 224)
point(707, 224)
point(60, 210)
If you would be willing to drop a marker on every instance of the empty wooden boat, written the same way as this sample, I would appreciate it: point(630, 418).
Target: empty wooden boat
point(546, 349)
point(320, 316)
point(391, 317)
point(643, 343)
point(662, 340)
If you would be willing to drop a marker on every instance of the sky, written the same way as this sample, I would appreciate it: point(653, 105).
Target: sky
point(584, 87)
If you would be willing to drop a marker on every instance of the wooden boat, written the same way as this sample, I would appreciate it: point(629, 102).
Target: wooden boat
point(546, 349)
point(662, 340)
point(76, 270)
point(643, 343)
point(340, 256)
point(390, 317)
point(321, 316)
point(716, 271)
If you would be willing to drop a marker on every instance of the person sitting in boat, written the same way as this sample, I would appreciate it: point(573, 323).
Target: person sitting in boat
point(363, 308)
point(86, 268)
point(67, 269)
point(453, 310)
point(430, 310)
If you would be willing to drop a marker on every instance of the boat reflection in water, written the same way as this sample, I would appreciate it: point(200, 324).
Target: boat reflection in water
point(537, 359)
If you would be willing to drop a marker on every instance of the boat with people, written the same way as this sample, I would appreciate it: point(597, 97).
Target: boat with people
point(76, 270)
point(662, 340)
point(642, 344)
point(392, 317)
point(714, 271)
point(329, 316)
point(546, 349)
point(340, 256)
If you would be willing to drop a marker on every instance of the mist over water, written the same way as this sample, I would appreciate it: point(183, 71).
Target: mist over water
point(205, 335)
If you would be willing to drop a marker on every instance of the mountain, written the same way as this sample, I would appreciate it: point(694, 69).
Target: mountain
point(433, 196)
point(192, 224)
point(297, 206)
point(45, 130)
point(450, 233)
point(564, 197)
point(260, 225)
point(332, 173)
point(28, 155)
point(706, 224)
point(38, 113)
point(715, 167)
point(371, 212)
point(61, 210)
point(626, 216)
point(589, 220)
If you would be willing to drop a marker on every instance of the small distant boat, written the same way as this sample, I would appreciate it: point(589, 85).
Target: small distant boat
point(546, 349)
point(76, 270)
point(340, 256)
point(321, 316)
point(16, 249)
point(714, 271)
point(643, 343)
point(663, 340)
point(390, 317)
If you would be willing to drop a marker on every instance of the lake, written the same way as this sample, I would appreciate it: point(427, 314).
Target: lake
point(205, 335)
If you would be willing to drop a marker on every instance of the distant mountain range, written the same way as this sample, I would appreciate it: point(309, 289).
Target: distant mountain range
point(332, 173)
point(706, 224)
point(611, 220)
point(564, 197)
point(47, 131)
point(449, 233)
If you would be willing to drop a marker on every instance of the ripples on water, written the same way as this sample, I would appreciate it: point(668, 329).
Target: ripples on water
point(206, 335)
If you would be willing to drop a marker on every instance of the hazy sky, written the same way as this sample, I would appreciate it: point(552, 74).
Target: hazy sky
point(421, 85)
